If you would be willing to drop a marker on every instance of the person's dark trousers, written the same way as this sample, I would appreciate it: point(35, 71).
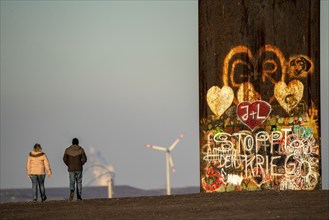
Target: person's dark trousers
point(75, 178)
point(38, 181)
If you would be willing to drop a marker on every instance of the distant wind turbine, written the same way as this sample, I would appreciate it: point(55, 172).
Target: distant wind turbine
point(169, 160)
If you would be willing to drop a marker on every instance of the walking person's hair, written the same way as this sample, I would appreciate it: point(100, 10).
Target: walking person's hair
point(37, 147)
point(75, 141)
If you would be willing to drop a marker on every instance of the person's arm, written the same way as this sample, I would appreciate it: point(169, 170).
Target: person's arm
point(65, 158)
point(47, 165)
point(28, 164)
point(83, 157)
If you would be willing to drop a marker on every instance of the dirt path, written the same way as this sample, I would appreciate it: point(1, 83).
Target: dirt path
point(233, 205)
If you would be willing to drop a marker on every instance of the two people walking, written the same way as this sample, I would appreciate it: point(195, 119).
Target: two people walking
point(38, 164)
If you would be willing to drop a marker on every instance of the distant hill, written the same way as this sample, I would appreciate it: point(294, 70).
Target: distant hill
point(91, 192)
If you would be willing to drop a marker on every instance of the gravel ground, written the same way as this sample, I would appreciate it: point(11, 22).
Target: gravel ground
point(232, 205)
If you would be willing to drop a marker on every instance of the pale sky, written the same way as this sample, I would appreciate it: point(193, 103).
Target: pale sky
point(115, 74)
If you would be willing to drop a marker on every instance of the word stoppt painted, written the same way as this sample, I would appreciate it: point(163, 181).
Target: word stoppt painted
point(259, 85)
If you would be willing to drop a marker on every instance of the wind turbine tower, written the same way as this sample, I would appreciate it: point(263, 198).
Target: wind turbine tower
point(169, 161)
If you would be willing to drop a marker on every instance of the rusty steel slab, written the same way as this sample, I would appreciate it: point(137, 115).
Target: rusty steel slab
point(259, 95)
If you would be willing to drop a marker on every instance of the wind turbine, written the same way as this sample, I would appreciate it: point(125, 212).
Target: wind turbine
point(169, 160)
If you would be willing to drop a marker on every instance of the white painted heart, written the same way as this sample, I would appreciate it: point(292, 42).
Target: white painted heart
point(219, 100)
point(289, 95)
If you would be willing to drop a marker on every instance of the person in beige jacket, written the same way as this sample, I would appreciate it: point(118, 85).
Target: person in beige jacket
point(36, 167)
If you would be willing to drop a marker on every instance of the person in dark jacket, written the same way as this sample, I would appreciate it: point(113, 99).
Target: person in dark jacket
point(74, 158)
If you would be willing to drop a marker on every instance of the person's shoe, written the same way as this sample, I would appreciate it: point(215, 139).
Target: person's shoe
point(71, 195)
point(34, 200)
point(44, 199)
point(79, 197)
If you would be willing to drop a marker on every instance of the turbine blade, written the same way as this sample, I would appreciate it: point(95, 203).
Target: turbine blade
point(176, 142)
point(172, 164)
point(156, 147)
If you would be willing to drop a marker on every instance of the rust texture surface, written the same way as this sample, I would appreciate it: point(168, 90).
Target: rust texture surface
point(259, 87)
